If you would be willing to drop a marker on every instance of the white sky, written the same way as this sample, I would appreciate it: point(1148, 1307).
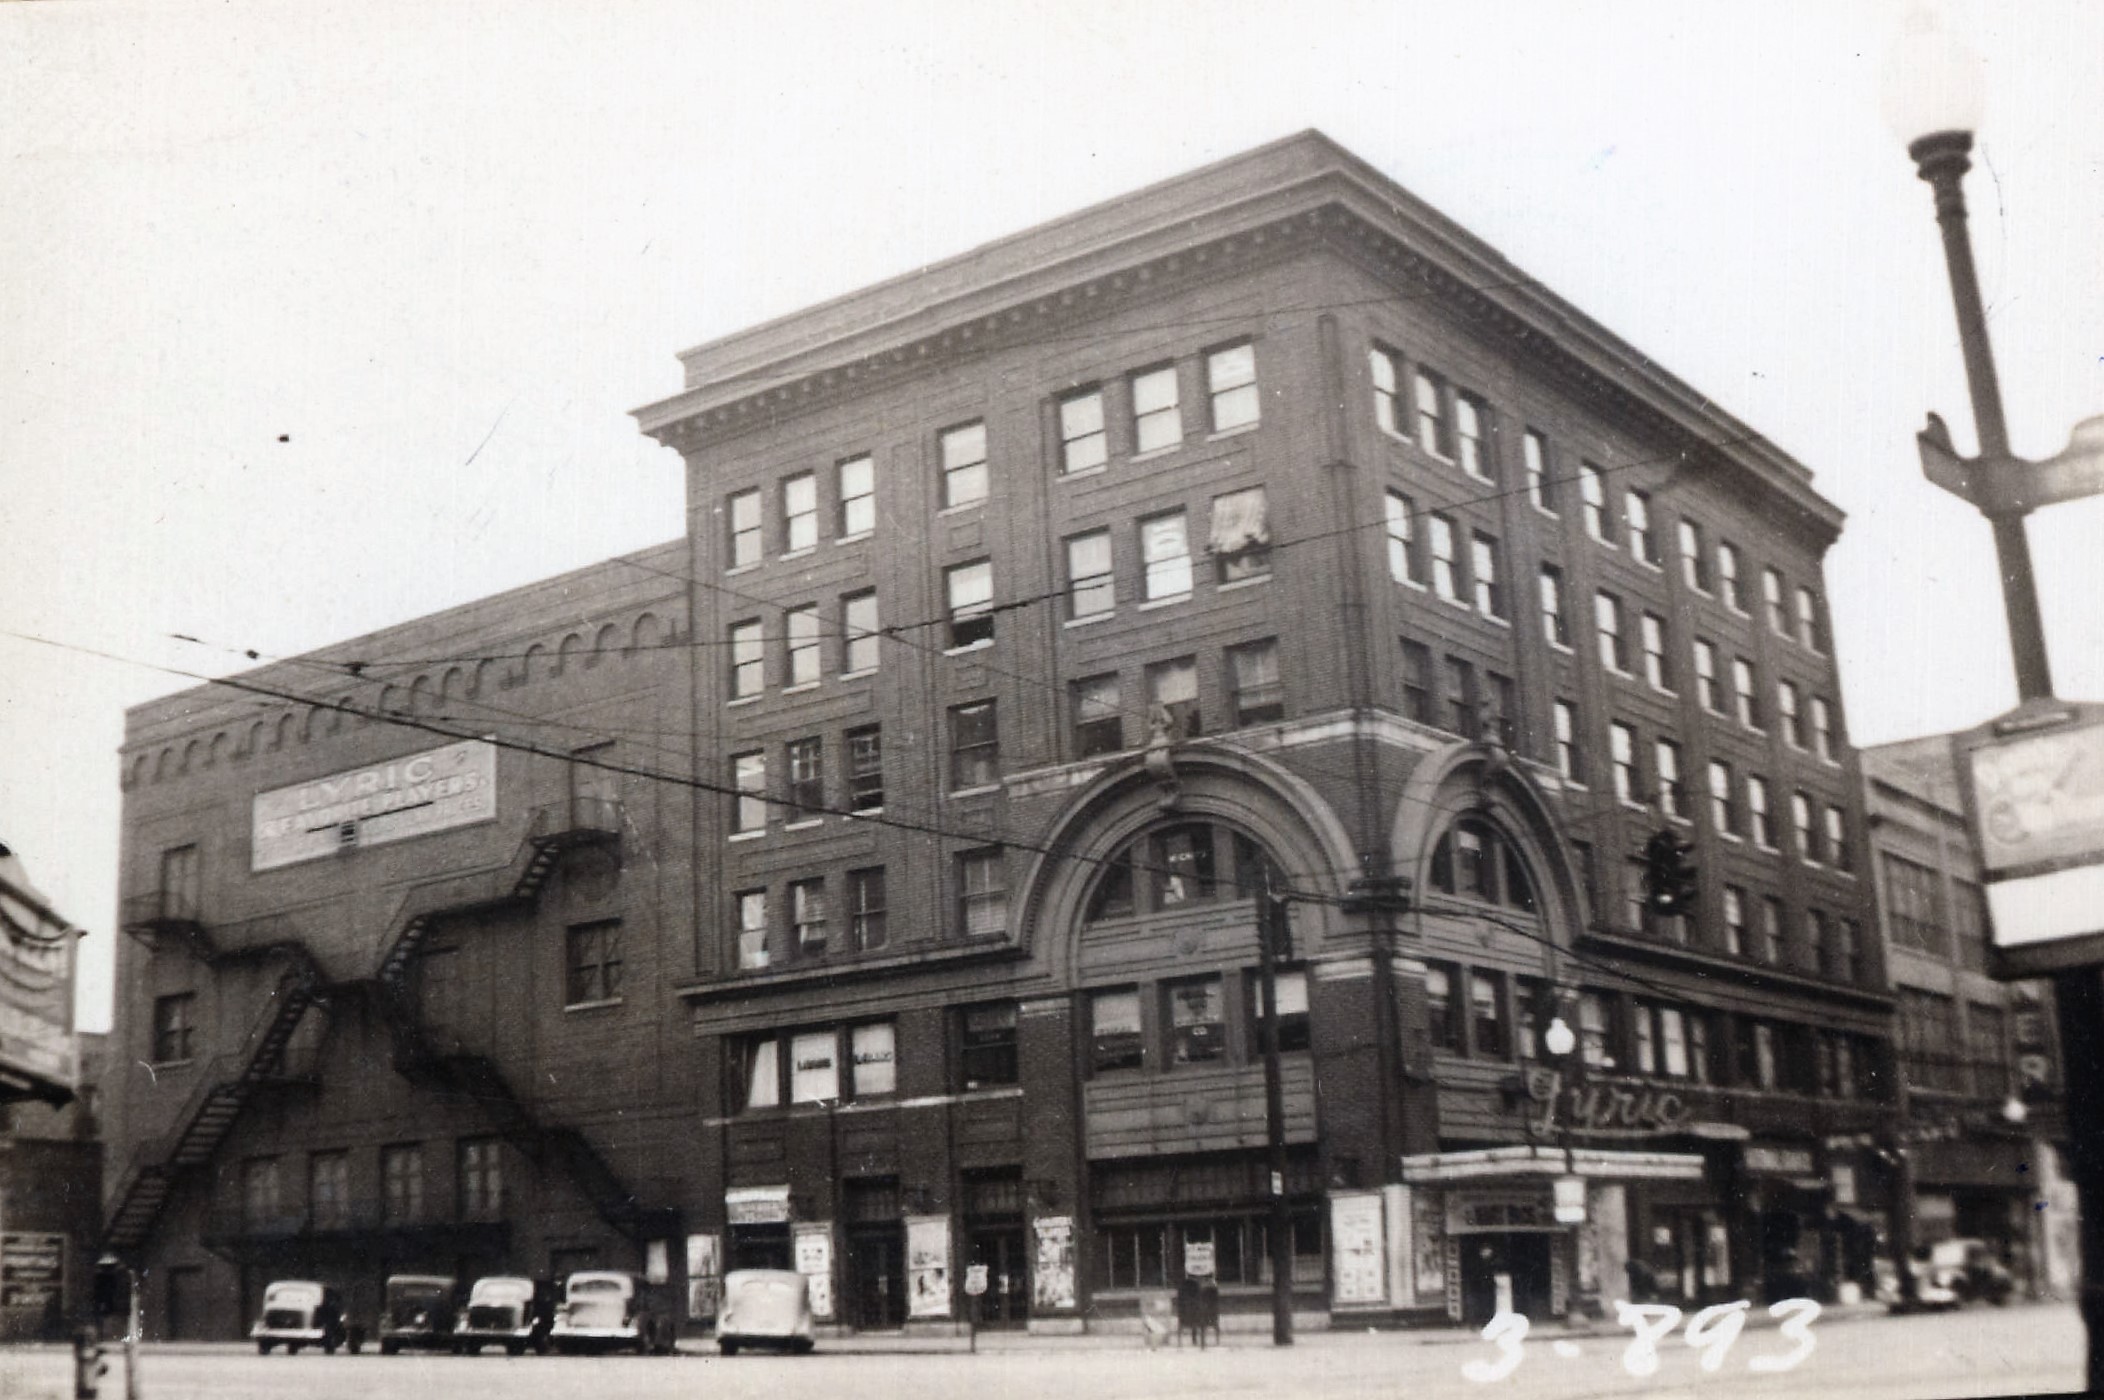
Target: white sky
point(445, 247)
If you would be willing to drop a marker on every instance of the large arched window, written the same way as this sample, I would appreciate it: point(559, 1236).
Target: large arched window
point(1173, 866)
point(1474, 860)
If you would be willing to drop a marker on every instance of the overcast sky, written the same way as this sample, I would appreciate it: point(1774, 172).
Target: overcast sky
point(318, 317)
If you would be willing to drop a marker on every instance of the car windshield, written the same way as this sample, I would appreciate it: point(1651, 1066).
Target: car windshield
point(504, 1290)
point(594, 1285)
point(291, 1295)
point(415, 1292)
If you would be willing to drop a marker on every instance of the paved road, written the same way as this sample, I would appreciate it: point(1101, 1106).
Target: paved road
point(1981, 1352)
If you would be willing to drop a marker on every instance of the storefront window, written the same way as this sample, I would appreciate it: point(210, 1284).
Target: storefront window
point(989, 1049)
point(1114, 1030)
point(874, 1051)
point(758, 1068)
point(814, 1067)
point(1197, 1020)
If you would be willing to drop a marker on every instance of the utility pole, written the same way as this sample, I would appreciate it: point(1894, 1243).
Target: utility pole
point(1272, 934)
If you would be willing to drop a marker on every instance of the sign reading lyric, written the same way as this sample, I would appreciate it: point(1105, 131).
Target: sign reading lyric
point(410, 796)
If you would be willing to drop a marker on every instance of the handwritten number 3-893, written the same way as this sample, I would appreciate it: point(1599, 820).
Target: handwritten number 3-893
point(1710, 1331)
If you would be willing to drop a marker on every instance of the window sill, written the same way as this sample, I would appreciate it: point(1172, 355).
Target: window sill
point(744, 700)
point(1153, 603)
point(1099, 469)
point(1603, 543)
point(856, 675)
point(861, 812)
point(736, 569)
point(800, 687)
point(1560, 647)
point(1666, 690)
point(1479, 477)
point(1461, 603)
point(1232, 584)
point(158, 1066)
point(858, 536)
point(1153, 452)
point(737, 836)
point(1221, 434)
point(961, 508)
point(804, 553)
point(980, 645)
point(1731, 836)
point(1544, 511)
point(1091, 619)
point(1631, 804)
point(806, 824)
point(1653, 566)
point(1493, 619)
point(1410, 583)
point(599, 1005)
point(977, 790)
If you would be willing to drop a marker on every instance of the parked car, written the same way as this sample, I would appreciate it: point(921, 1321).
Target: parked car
point(507, 1311)
point(609, 1310)
point(298, 1313)
point(1931, 1288)
point(1970, 1270)
point(764, 1308)
point(419, 1312)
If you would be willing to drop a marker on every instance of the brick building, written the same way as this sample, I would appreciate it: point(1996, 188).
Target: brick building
point(1035, 611)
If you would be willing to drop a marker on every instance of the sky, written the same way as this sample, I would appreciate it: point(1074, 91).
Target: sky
point(319, 317)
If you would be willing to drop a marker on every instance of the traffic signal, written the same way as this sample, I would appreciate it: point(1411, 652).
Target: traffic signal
point(1669, 875)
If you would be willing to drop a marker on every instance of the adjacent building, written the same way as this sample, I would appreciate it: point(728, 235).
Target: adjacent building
point(866, 882)
point(1979, 1072)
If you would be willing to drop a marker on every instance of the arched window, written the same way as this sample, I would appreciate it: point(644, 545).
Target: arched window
point(1173, 866)
point(1474, 860)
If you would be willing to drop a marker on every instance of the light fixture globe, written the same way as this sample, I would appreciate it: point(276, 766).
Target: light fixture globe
point(1558, 1039)
point(2014, 1109)
point(1933, 83)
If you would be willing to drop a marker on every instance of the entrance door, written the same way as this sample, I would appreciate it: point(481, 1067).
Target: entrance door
point(186, 1304)
point(1522, 1259)
point(876, 1276)
point(1006, 1302)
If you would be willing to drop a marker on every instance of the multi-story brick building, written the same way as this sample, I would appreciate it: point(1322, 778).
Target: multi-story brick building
point(1979, 1071)
point(1035, 611)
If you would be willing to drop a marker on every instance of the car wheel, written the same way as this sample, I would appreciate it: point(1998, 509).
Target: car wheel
point(800, 1347)
point(540, 1345)
point(263, 1347)
point(728, 1348)
point(389, 1348)
point(514, 1348)
point(328, 1346)
point(357, 1344)
point(293, 1348)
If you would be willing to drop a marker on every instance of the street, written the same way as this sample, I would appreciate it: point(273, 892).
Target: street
point(1982, 1351)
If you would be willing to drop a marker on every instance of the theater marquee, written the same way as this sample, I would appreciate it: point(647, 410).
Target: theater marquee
point(435, 790)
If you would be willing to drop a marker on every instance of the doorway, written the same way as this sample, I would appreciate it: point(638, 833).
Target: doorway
point(876, 1276)
point(1006, 1302)
point(186, 1303)
point(1519, 1260)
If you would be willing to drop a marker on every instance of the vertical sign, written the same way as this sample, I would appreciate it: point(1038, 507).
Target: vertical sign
point(703, 1268)
point(32, 1272)
point(928, 1266)
point(1357, 1229)
point(1052, 1281)
point(814, 1260)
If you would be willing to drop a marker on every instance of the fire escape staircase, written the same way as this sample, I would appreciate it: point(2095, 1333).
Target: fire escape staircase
point(434, 1059)
point(225, 1083)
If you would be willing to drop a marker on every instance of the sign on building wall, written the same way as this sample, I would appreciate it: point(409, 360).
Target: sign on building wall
point(814, 1260)
point(1052, 1281)
point(435, 790)
point(928, 1266)
point(1358, 1270)
point(36, 986)
point(32, 1271)
point(704, 1269)
point(1430, 1233)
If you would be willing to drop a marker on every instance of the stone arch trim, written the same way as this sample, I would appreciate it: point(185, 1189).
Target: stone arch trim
point(1283, 812)
point(1474, 779)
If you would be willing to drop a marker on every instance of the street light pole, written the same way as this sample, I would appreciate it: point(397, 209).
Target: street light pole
point(1271, 937)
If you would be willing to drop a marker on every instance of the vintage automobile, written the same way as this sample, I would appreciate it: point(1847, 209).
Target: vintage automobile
point(1969, 1270)
point(298, 1313)
point(764, 1308)
point(609, 1310)
point(508, 1311)
point(419, 1312)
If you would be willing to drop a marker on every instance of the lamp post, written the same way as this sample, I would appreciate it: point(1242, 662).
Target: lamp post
point(1935, 98)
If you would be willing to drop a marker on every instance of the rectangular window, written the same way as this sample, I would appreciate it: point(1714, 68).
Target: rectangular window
point(1772, 597)
point(1083, 444)
point(1851, 936)
point(1446, 574)
point(1459, 696)
point(1435, 434)
point(1658, 665)
point(1442, 1010)
point(1501, 709)
point(1644, 1036)
point(1254, 688)
point(1157, 421)
point(1570, 760)
point(857, 477)
point(1724, 803)
point(1114, 1030)
point(865, 909)
point(1607, 621)
point(982, 893)
point(799, 513)
point(1182, 868)
point(748, 659)
point(862, 643)
point(964, 465)
point(1823, 730)
point(262, 1204)
point(593, 962)
point(1636, 512)
point(1673, 1042)
point(814, 1067)
point(987, 1045)
point(182, 883)
point(1404, 566)
point(1734, 921)
point(329, 1190)
point(873, 1059)
point(1771, 929)
point(1241, 543)
point(1595, 1046)
point(1091, 586)
point(865, 768)
point(1489, 1030)
point(1808, 629)
point(752, 929)
point(1417, 681)
point(801, 624)
point(1386, 369)
point(1694, 560)
point(1760, 819)
point(1764, 1073)
point(1197, 1020)
point(1483, 564)
point(1622, 748)
point(807, 917)
point(402, 1183)
point(174, 1027)
point(1231, 385)
point(1291, 989)
point(1672, 796)
point(1555, 623)
point(1706, 677)
point(481, 1184)
point(1787, 706)
point(1837, 838)
point(1745, 692)
point(1165, 551)
point(1728, 576)
point(1592, 492)
point(1801, 823)
point(1541, 486)
point(1172, 696)
point(756, 1064)
point(749, 781)
point(970, 591)
point(1099, 722)
point(1472, 425)
point(975, 745)
point(745, 539)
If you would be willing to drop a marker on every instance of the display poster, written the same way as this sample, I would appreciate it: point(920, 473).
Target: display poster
point(1199, 1261)
point(1052, 1282)
point(814, 1260)
point(414, 795)
point(32, 1271)
point(1431, 1244)
point(1357, 1268)
point(928, 1266)
point(704, 1253)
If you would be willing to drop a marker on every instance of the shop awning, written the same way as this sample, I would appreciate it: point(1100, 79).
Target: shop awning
point(1485, 1163)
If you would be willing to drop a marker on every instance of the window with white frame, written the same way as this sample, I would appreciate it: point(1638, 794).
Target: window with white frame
point(1658, 665)
point(1672, 796)
point(801, 624)
point(1734, 921)
point(865, 768)
point(1555, 622)
point(1569, 759)
point(1091, 587)
point(1435, 433)
point(1165, 553)
point(1694, 561)
point(1083, 442)
point(1837, 838)
point(1706, 676)
point(1772, 597)
point(1403, 563)
point(1787, 706)
point(970, 591)
point(1728, 576)
point(1592, 493)
point(1254, 688)
point(1241, 543)
point(749, 781)
point(1541, 487)
point(1231, 386)
point(1724, 801)
point(1483, 571)
point(1808, 630)
point(1636, 513)
point(982, 893)
point(1172, 696)
point(745, 529)
point(814, 1067)
point(1446, 574)
point(1801, 824)
point(873, 1059)
point(1622, 750)
point(807, 776)
point(1607, 623)
point(865, 908)
point(1471, 428)
point(975, 745)
point(752, 929)
point(1099, 723)
point(1385, 367)
point(807, 916)
point(1745, 692)
point(1157, 420)
point(1823, 729)
point(858, 495)
point(748, 670)
point(862, 643)
point(964, 477)
point(799, 513)
point(1771, 949)
point(756, 1072)
point(1760, 819)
